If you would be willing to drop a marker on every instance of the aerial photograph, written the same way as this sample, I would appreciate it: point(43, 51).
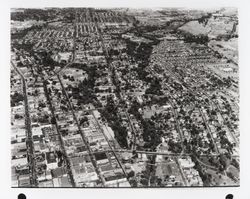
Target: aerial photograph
point(124, 97)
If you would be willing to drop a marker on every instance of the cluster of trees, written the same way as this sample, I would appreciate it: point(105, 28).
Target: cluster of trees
point(225, 143)
point(81, 66)
point(141, 55)
point(155, 88)
point(84, 91)
point(111, 115)
point(224, 162)
point(204, 19)
point(21, 33)
point(69, 17)
point(41, 104)
point(196, 142)
point(16, 98)
point(70, 78)
point(84, 121)
point(227, 81)
point(221, 162)
point(206, 178)
point(235, 163)
point(154, 99)
point(47, 59)
point(28, 47)
point(226, 37)
point(199, 39)
point(18, 116)
point(151, 134)
point(175, 147)
point(34, 14)
point(61, 157)
point(143, 30)
point(44, 118)
point(131, 46)
point(134, 109)
point(113, 52)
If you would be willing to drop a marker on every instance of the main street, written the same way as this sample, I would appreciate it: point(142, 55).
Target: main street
point(160, 153)
point(29, 136)
point(110, 146)
point(85, 140)
point(49, 100)
point(112, 70)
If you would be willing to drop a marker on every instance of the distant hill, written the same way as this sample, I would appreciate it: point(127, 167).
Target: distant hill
point(221, 23)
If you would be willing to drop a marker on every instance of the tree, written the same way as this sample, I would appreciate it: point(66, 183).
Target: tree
point(17, 116)
point(110, 114)
point(53, 120)
point(131, 174)
point(200, 39)
point(235, 163)
point(16, 98)
point(133, 183)
point(223, 162)
point(155, 88)
point(83, 120)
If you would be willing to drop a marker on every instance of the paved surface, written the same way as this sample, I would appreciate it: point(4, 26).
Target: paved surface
point(29, 136)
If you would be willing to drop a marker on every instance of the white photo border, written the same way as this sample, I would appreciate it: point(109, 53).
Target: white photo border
point(242, 192)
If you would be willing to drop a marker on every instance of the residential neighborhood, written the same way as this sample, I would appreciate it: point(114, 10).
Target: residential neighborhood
point(124, 97)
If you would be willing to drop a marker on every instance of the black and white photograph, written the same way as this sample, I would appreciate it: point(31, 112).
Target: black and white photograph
point(110, 99)
point(124, 97)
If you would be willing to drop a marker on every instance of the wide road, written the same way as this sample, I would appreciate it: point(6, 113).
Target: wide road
point(209, 130)
point(113, 151)
point(111, 69)
point(49, 100)
point(85, 140)
point(161, 153)
point(29, 136)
